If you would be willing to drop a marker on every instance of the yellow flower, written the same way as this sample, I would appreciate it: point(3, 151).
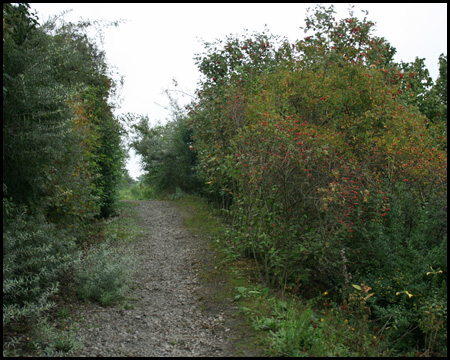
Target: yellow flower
point(321, 319)
point(406, 292)
point(325, 293)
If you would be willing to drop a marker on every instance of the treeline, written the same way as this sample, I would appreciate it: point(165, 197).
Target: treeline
point(330, 159)
point(62, 153)
point(166, 150)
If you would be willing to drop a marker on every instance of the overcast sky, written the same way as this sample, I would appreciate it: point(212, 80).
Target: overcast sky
point(158, 42)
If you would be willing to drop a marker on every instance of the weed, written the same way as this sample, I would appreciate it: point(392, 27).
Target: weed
point(50, 341)
point(104, 275)
point(63, 313)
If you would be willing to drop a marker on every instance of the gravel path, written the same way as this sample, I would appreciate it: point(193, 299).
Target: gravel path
point(167, 318)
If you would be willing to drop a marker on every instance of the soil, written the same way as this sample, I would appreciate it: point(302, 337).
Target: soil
point(176, 311)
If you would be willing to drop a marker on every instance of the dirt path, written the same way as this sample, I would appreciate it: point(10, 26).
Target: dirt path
point(170, 316)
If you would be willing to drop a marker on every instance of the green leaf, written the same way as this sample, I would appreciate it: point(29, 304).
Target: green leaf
point(241, 290)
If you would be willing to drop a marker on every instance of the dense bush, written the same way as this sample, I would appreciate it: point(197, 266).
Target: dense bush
point(333, 158)
point(108, 151)
point(59, 133)
point(167, 154)
point(62, 153)
point(35, 254)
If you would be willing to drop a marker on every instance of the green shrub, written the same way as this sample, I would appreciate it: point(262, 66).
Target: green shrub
point(62, 145)
point(50, 341)
point(104, 275)
point(311, 329)
point(167, 153)
point(137, 192)
point(35, 254)
point(404, 259)
point(336, 173)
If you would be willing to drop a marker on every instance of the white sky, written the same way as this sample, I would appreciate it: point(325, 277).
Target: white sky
point(159, 41)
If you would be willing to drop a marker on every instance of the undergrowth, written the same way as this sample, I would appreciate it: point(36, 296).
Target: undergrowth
point(137, 192)
point(295, 320)
point(101, 273)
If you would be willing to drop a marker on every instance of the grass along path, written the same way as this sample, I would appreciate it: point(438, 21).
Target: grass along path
point(251, 319)
point(176, 303)
point(281, 322)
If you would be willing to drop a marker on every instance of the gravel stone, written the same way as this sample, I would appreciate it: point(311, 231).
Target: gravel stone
point(167, 318)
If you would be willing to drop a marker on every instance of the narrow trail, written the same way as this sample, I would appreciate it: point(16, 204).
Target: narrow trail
point(170, 316)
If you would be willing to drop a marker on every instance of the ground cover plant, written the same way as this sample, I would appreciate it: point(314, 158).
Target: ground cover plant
point(101, 274)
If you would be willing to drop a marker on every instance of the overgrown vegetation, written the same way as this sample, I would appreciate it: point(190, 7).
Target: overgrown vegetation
point(131, 189)
point(278, 320)
point(167, 153)
point(103, 275)
point(329, 159)
point(62, 158)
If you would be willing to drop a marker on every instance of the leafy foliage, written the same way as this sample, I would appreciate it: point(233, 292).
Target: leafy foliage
point(62, 153)
point(167, 153)
point(331, 160)
point(103, 275)
point(108, 151)
point(35, 254)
